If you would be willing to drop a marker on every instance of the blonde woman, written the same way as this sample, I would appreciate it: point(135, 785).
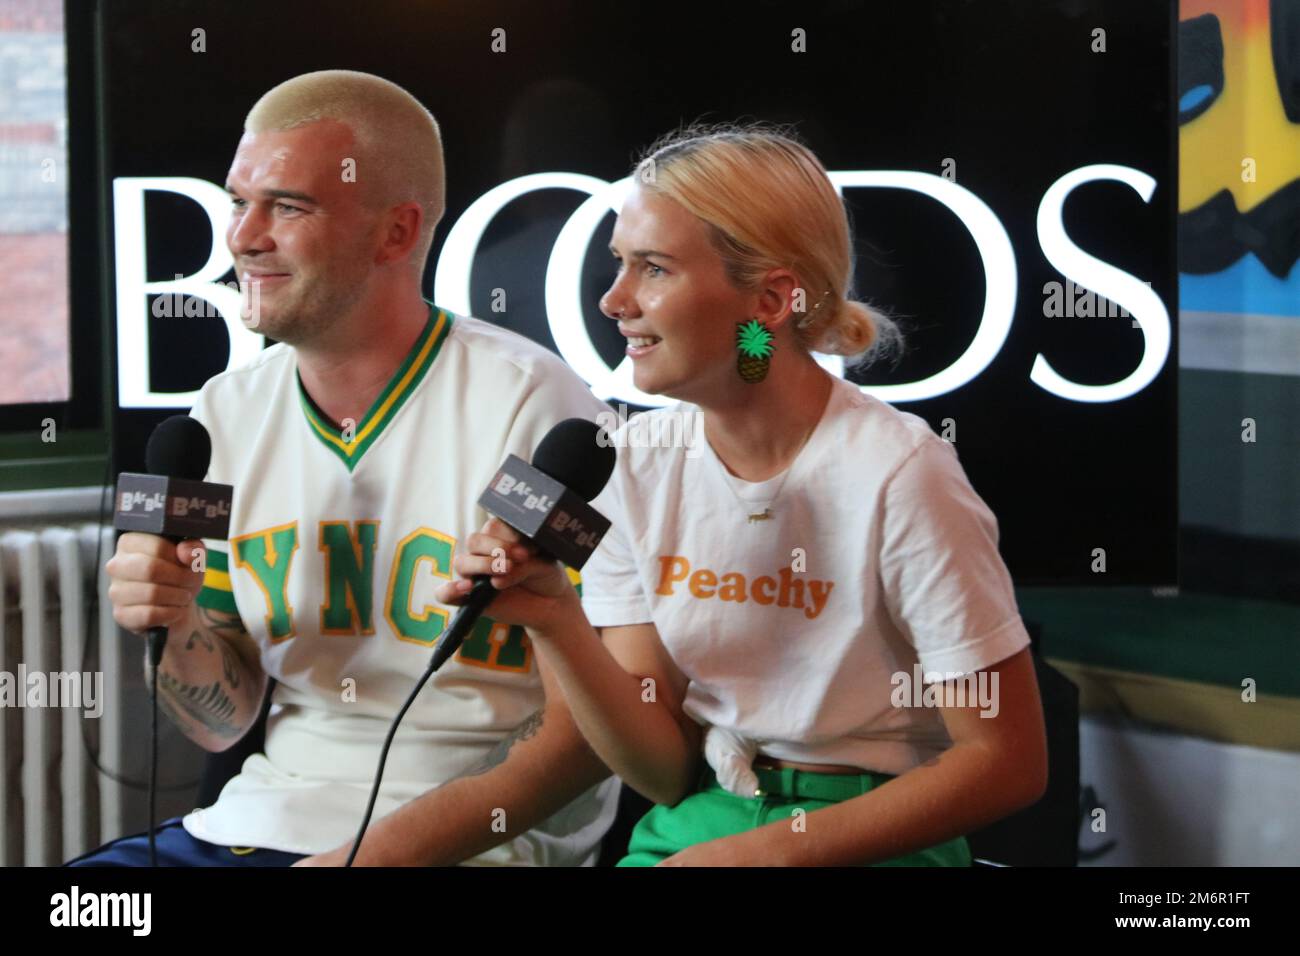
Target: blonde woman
point(795, 601)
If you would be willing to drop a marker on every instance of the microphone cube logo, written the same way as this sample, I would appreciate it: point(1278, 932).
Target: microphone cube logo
point(570, 525)
point(505, 484)
point(130, 500)
point(182, 507)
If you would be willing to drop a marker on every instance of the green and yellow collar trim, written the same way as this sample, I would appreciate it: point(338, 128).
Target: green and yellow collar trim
point(404, 381)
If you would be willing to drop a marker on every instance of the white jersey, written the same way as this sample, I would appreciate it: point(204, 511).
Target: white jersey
point(804, 631)
point(338, 541)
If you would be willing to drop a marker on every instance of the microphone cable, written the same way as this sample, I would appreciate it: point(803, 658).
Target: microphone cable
point(383, 758)
point(153, 765)
point(478, 597)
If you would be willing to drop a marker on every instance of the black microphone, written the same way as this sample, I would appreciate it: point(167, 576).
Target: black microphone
point(173, 501)
point(547, 503)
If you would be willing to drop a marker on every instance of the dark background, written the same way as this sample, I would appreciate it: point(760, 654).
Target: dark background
point(1011, 91)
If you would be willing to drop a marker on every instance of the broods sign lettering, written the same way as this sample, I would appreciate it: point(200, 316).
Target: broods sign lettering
point(562, 294)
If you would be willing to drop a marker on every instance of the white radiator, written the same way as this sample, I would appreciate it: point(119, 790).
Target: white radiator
point(53, 803)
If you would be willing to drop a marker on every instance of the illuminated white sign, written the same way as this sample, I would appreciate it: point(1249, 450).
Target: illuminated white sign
point(564, 309)
point(133, 287)
point(1105, 280)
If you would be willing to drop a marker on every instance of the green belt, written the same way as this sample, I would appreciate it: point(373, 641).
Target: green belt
point(791, 783)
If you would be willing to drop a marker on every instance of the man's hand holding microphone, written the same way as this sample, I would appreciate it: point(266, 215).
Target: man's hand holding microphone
point(210, 678)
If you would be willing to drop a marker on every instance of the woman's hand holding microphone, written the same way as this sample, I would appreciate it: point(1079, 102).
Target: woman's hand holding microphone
point(535, 591)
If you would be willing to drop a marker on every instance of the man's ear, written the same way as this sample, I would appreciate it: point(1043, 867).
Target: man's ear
point(401, 232)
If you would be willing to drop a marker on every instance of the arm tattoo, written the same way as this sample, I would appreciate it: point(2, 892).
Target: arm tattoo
point(209, 706)
point(497, 755)
point(201, 638)
point(218, 622)
point(229, 667)
point(229, 663)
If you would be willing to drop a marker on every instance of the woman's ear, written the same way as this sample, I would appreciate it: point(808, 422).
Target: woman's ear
point(781, 299)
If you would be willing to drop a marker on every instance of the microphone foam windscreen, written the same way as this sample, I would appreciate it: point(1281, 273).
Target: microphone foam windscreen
point(572, 456)
point(179, 448)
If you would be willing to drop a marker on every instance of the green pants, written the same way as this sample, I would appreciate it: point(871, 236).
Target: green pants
point(712, 812)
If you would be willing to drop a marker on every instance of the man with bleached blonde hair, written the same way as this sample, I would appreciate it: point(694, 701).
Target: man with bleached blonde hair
point(357, 448)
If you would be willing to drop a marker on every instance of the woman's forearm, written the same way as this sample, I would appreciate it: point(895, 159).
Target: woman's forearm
point(635, 735)
point(964, 789)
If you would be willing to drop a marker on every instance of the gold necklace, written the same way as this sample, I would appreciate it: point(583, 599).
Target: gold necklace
point(766, 513)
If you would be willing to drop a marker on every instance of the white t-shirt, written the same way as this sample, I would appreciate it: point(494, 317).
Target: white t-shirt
point(337, 544)
point(878, 554)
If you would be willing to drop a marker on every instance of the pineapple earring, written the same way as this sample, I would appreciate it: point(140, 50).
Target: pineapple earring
point(754, 350)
